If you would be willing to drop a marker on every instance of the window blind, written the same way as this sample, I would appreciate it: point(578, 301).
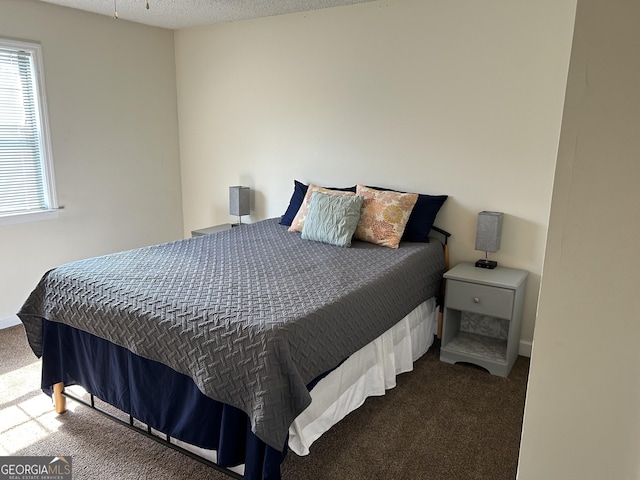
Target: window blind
point(23, 180)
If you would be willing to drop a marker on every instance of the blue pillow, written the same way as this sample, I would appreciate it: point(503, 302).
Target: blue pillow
point(299, 191)
point(332, 219)
point(422, 216)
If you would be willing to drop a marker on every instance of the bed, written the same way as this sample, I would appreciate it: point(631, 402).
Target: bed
point(220, 342)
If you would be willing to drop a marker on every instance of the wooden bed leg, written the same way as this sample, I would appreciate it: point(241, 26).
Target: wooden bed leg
point(59, 400)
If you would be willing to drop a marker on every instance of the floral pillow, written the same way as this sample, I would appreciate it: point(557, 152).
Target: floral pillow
point(303, 211)
point(384, 215)
point(299, 191)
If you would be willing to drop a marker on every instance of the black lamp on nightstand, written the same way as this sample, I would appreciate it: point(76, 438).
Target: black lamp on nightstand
point(239, 202)
point(488, 237)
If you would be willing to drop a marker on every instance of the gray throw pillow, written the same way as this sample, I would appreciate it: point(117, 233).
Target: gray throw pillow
point(332, 219)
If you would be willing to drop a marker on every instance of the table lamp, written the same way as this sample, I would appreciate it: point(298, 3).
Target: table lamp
point(488, 237)
point(239, 202)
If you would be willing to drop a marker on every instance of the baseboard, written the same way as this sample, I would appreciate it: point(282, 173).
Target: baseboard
point(9, 321)
point(525, 348)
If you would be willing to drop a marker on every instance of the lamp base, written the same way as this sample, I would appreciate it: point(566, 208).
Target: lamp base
point(484, 263)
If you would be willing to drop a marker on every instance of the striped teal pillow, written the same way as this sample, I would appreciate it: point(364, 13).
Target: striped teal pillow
point(332, 219)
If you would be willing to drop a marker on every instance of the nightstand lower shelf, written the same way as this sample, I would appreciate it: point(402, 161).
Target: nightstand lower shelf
point(487, 352)
point(480, 346)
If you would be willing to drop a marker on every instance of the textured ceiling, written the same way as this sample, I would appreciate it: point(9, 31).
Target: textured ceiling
point(175, 14)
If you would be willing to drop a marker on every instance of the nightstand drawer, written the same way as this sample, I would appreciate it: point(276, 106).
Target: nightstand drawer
point(471, 297)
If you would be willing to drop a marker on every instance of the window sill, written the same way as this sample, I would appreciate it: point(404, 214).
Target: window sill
point(29, 217)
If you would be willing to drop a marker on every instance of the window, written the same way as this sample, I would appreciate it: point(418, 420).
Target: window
point(26, 173)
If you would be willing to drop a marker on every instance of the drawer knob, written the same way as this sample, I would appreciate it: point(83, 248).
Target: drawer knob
point(476, 300)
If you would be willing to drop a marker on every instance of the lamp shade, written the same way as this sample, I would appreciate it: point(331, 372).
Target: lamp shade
point(239, 200)
point(488, 231)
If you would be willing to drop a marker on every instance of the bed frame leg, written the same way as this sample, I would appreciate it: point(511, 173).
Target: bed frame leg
point(59, 400)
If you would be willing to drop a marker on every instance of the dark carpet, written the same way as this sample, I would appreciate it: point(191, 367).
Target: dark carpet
point(440, 422)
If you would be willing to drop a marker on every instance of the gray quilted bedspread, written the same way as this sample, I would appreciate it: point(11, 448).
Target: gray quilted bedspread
point(251, 314)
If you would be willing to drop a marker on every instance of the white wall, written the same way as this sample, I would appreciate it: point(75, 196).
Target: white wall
point(582, 415)
point(461, 98)
point(113, 116)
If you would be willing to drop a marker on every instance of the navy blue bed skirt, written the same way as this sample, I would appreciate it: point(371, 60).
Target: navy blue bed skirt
point(155, 394)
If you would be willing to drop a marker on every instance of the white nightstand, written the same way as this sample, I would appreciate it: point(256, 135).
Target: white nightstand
point(210, 230)
point(482, 316)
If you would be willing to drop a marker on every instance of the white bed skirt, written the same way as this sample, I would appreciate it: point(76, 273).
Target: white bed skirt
point(370, 371)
